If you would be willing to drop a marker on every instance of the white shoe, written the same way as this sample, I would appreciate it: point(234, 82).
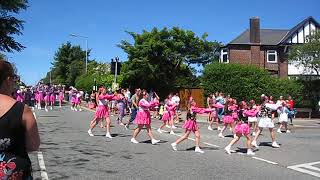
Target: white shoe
point(133, 140)
point(75, 109)
point(32, 108)
point(173, 127)
point(159, 130)
point(254, 143)
point(80, 109)
point(275, 145)
point(154, 141)
point(221, 135)
point(198, 150)
point(219, 128)
point(167, 126)
point(288, 131)
point(171, 132)
point(72, 108)
point(51, 108)
point(279, 131)
point(46, 109)
point(108, 135)
point(250, 153)
point(210, 128)
point(174, 146)
point(228, 149)
point(234, 135)
point(90, 132)
point(127, 127)
point(254, 134)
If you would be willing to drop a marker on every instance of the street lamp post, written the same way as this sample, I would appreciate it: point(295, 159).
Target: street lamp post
point(86, 38)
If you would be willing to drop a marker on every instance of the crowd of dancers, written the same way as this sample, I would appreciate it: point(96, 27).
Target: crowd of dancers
point(245, 119)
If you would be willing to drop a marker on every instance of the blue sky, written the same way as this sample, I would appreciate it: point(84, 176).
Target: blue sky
point(48, 24)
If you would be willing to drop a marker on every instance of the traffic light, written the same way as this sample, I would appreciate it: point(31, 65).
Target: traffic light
point(115, 63)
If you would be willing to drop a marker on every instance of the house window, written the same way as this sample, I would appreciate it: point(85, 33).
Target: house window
point(224, 56)
point(272, 56)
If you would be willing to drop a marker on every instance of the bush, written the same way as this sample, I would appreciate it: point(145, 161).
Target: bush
point(245, 82)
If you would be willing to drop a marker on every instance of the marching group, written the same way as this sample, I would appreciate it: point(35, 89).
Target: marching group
point(246, 119)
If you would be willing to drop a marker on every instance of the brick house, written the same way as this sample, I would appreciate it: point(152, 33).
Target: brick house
point(267, 48)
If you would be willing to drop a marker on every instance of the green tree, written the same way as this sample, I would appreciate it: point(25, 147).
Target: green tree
point(307, 55)
point(11, 26)
point(69, 63)
point(160, 59)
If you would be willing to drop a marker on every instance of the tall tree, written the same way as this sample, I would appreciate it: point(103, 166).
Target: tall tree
point(69, 63)
point(9, 25)
point(157, 59)
point(307, 55)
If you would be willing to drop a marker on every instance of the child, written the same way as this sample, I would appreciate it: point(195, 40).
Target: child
point(167, 116)
point(52, 100)
point(283, 118)
point(242, 129)
point(228, 118)
point(252, 116)
point(189, 125)
point(161, 110)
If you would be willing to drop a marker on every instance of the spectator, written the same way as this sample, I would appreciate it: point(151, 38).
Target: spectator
point(21, 134)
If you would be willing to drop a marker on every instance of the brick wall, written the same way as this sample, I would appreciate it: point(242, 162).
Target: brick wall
point(256, 55)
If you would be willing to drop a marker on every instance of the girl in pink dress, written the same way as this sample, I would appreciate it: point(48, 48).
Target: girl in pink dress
point(213, 116)
point(143, 118)
point(102, 112)
point(77, 101)
point(242, 129)
point(190, 125)
point(61, 98)
point(167, 116)
point(46, 101)
point(229, 116)
point(52, 100)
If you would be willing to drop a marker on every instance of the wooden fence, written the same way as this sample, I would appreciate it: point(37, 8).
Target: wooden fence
point(196, 93)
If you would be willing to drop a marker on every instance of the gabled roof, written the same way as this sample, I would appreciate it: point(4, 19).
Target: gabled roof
point(267, 37)
point(273, 36)
point(299, 26)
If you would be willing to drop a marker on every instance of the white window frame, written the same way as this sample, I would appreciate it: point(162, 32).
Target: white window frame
point(272, 53)
point(224, 52)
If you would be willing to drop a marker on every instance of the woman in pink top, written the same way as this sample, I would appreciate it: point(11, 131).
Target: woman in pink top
point(143, 118)
point(102, 112)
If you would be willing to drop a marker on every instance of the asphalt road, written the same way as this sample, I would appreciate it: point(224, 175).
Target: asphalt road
point(68, 152)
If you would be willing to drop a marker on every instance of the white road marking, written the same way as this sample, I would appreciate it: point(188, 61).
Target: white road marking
point(209, 144)
point(306, 168)
point(44, 175)
point(43, 171)
point(264, 160)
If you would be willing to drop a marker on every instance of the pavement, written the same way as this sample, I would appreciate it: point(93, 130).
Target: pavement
point(68, 152)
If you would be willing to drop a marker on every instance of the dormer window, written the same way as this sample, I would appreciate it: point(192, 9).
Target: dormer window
point(272, 56)
point(224, 58)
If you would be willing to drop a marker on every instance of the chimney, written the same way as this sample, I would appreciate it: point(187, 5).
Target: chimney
point(254, 30)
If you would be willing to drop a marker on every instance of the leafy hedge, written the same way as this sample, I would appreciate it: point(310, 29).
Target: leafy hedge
point(245, 82)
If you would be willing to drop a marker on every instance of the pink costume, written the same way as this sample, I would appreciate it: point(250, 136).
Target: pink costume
point(36, 97)
point(228, 117)
point(167, 114)
point(190, 124)
point(52, 98)
point(78, 99)
point(47, 97)
point(143, 114)
point(242, 129)
point(102, 109)
point(172, 109)
point(61, 96)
